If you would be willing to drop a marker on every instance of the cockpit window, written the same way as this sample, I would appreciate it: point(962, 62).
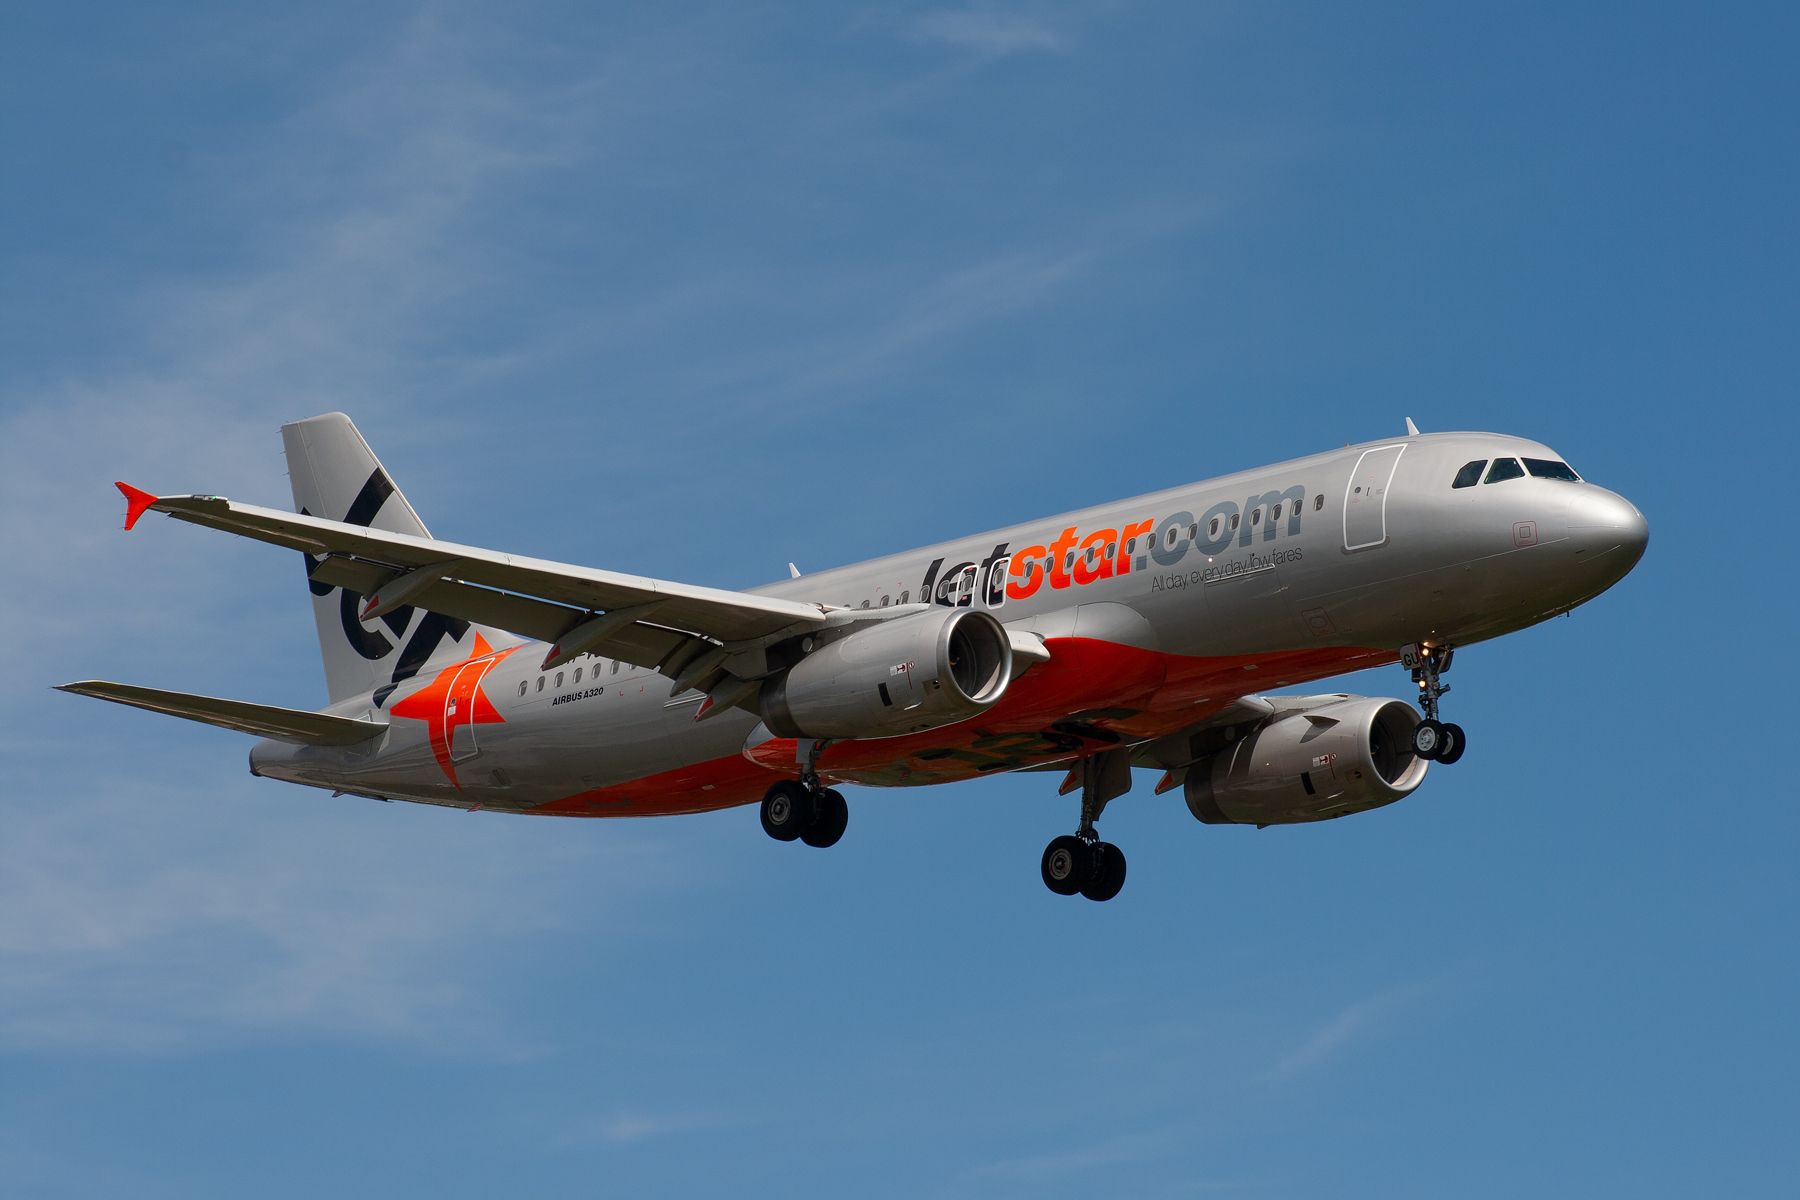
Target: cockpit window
point(1504, 468)
point(1470, 475)
point(1545, 468)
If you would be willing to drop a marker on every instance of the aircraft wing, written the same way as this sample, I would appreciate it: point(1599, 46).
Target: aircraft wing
point(264, 720)
point(650, 622)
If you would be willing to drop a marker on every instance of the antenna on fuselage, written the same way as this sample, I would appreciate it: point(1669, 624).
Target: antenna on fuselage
point(1411, 430)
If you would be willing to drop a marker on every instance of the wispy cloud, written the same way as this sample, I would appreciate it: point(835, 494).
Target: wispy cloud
point(992, 34)
point(1099, 1154)
point(903, 320)
point(151, 917)
point(1361, 1020)
point(925, 317)
point(627, 1128)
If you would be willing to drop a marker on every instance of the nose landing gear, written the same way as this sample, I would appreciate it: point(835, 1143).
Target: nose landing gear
point(1081, 862)
point(1432, 739)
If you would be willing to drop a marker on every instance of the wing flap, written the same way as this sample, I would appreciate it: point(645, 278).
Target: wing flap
point(502, 610)
point(264, 720)
point(348, 573)
point(645, 645)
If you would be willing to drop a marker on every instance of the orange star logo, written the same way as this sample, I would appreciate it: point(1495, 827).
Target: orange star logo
point(453, 701)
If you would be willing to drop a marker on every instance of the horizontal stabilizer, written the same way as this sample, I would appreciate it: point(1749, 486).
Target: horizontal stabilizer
point(264, 720)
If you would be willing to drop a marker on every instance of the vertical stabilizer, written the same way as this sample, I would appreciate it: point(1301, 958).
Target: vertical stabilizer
point(336, 476)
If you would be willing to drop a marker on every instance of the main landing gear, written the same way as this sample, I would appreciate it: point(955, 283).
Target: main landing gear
point(1081, 862)
point(804, 810)
point(1433, 739)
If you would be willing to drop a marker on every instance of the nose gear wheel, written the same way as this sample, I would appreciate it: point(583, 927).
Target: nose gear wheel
point(1434, 740)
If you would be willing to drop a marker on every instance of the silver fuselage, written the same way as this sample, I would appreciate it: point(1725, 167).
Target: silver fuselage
point(1187, 611)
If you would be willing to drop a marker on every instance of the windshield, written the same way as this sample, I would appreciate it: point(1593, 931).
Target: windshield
point(1546, 468)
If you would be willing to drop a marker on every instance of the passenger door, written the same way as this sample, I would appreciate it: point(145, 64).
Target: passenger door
point(1365, 497)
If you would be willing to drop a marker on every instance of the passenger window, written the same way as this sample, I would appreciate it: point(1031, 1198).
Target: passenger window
point(1212, 531)
point(1318, 501)
point(577, 674)
point(1546, 468)
point(523, 686)
point(1470, 475)
point(885, 602)
point(1256, 516)
point(615, 666)
point(559, 679)
point(1275, 513)
point(904, 595)
point(1504, 469)
point(1193, 531)
point(1171, 535)
point(1110, 547)
point(1131, 545)
point(1234, 520)
point(540, 683)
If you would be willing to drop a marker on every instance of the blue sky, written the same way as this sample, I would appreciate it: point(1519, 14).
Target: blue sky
point(697, 290)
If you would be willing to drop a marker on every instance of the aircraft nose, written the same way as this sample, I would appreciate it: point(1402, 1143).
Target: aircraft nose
point(1605, 523)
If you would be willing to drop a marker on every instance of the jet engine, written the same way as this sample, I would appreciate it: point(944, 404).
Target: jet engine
point(893, 677)
point(1343, 758)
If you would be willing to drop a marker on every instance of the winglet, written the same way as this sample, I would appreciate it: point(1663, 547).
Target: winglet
point(1411, 429)
point(136, 503)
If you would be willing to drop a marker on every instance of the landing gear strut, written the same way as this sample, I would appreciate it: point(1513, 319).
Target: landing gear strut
point(1432, 739)
point(1081, 862)
point(803, 809)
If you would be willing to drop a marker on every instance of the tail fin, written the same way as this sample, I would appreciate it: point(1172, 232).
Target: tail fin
point(335, 475)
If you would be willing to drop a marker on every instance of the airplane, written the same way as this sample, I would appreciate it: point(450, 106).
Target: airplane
point(1144, 633)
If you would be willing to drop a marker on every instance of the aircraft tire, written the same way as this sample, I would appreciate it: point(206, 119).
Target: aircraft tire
point(1428, 739)
point(834, 816)
point(787, 811)
point(1109, 873)
point(1455, 743)
point(1067, 865)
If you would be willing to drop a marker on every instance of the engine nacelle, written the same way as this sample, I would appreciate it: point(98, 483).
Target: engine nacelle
point(899, 676)
point(1327, 762)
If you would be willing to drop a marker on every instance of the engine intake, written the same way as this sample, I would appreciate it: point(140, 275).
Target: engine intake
point(1327, 762)
point(894, 677)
